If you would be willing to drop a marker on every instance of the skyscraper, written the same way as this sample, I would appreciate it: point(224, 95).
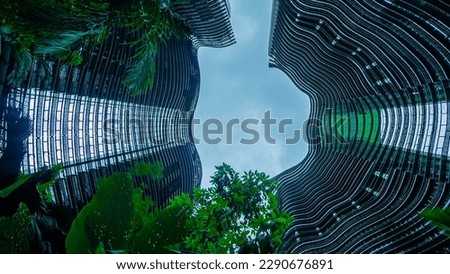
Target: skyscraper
point(376, 73)
point(84, 118)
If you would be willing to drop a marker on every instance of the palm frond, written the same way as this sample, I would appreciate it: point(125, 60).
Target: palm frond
point(64, 29)
point(140, 77)
point(22, 65)
point(63, 42)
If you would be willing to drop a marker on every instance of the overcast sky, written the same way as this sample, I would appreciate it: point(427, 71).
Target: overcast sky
point(236, 82)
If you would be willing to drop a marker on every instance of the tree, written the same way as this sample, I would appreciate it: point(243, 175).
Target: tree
point(238, 214)
point(66, 29)
point(27, 204)
point(120, 219)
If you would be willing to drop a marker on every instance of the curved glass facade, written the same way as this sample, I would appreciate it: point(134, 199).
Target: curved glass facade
point(377, 76)
point(85, 119)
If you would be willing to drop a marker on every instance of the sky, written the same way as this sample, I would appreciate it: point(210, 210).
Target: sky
point(236, 83)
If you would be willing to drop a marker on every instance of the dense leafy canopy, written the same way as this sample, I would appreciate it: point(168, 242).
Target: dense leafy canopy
point(64, 29)
point(238, 214)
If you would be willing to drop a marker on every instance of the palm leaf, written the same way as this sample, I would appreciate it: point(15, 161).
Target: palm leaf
point(439, 217)
point(140, 77)
point(18, 183)
point(22, 65)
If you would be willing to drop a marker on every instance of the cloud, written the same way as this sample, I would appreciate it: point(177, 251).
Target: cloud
point(245, 29)
point(243, 158)
point(237, 83)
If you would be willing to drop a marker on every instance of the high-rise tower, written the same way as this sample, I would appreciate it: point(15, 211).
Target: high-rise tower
point(377, 74)
point(85, 119)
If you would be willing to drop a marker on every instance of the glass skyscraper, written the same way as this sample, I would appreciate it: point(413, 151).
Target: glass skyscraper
point(377, 74)
point(85, 119)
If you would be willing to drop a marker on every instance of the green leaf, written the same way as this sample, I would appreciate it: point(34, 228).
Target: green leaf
point(281, 220)
point(238, 198)
point(106, 219)
point(14, 232)
point(44, 188)
point(44, 191)
point(139, 78)
point(437, 215)
point(62, 43)
point(238, 214)
point(167, 228)
point(212, 248)
point(142, 205)
point(155, 170)
point(100, 249)
point(18, 183)
point(22, 65)
point(182, 200)
point(439, 218)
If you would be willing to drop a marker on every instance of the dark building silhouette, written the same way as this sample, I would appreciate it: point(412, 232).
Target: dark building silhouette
point(84, 118)
point(377, 75)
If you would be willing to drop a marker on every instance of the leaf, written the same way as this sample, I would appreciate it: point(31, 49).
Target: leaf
point(100, 249)
point(437, 215)
point(22, 64)
point(18, 183)
point(237, 214)
point(182, 200)
point(142, 205)
point(14, 232)
point(155, 170)
point(43, 188)
point(106, 219)
point(167, 228)
point(140, 77)
point(212, 248)
point(62, 43)
point(281, 220)
point(439, 218)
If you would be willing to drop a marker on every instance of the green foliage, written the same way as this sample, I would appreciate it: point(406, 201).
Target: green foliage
point(139, 79)
point(106, 219)
point(141, 209)
point(62, 46)
point(238, 214)
point(35, 22)
point(44, 189)
point(64, 29)
point(155, 232)
point(119, 219)
point(22, 65)
point(21, 180)
point(14, 232)
point(155, 170)
point(166, 228)
point(439, 217)
point(157, 23)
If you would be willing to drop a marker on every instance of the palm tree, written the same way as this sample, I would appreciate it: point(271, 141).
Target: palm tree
point(65, 29)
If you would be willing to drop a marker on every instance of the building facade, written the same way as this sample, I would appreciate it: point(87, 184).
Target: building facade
point(377, 75)
point(85, 119)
